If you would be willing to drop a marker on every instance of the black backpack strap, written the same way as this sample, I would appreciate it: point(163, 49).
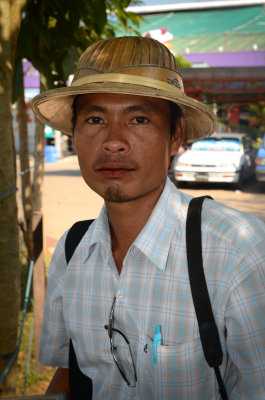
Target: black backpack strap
point(74, 236)
point(208, 330)
point(80, 385)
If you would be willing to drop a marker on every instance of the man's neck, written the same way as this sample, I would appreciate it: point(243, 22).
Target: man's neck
point(127, 219)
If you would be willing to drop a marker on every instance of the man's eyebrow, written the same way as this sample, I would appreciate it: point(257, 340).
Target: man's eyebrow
point(141, 107)
point(90, 107)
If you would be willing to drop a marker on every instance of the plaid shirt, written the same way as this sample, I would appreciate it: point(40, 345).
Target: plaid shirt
point(153, 289)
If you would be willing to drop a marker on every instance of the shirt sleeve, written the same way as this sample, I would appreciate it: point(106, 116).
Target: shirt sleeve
point(245, 321)
point(54, 342)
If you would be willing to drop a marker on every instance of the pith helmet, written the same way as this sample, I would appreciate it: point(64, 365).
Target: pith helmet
point(128, 65)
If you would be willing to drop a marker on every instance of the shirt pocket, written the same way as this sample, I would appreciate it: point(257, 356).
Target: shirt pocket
point(181, 371)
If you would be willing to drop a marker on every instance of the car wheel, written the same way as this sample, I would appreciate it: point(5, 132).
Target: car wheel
point(238, 185)
point(261, 187)
point(181, 184)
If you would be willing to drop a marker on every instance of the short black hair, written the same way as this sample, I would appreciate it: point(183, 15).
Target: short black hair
point(175, 114)
point(74, 112)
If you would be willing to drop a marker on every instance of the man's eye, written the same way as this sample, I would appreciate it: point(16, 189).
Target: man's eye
point(140, 120)
point(95, 120)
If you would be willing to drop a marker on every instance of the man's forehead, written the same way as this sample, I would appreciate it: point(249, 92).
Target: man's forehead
point(104, 101)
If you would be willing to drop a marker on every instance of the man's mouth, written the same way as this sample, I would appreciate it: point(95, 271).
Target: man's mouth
point(115, 169)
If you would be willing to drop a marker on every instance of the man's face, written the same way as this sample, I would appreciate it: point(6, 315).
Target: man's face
point(123, 144)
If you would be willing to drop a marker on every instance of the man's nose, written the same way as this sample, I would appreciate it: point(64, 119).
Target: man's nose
point(116, 139)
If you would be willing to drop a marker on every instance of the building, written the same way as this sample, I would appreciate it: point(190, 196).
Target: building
point(225, 42)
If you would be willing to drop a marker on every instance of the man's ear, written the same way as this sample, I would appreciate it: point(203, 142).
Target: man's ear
point(178, 136)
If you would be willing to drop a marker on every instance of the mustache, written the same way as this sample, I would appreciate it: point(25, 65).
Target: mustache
point(121, 160)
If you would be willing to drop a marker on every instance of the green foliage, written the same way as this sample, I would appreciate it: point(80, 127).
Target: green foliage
point(257, 113)
point(54, 33)
point(251, 118)
point(124, 19)
point(252, 131)
point(182, 62)
point(34, 378)
point(98, 15)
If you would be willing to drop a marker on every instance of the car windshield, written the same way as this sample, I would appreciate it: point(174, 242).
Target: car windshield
point(216, 144)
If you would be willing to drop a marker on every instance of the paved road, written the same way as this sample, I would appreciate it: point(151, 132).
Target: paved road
point(68, 199)
point(250, 199)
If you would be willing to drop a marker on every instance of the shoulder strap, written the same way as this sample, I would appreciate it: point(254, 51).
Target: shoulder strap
point(208, 330)
point(74, 236)
point(81, 386)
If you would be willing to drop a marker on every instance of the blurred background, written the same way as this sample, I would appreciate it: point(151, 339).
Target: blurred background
point(220, 49)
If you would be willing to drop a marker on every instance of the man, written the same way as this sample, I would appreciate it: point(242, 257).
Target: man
point(126, 287)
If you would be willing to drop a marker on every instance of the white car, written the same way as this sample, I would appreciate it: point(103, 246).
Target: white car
point(224, 157)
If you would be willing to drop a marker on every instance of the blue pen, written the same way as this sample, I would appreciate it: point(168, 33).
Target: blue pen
point(157, 342)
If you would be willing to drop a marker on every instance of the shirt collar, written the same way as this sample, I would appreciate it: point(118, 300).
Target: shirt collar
point(98, 232)
point(155, 238)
